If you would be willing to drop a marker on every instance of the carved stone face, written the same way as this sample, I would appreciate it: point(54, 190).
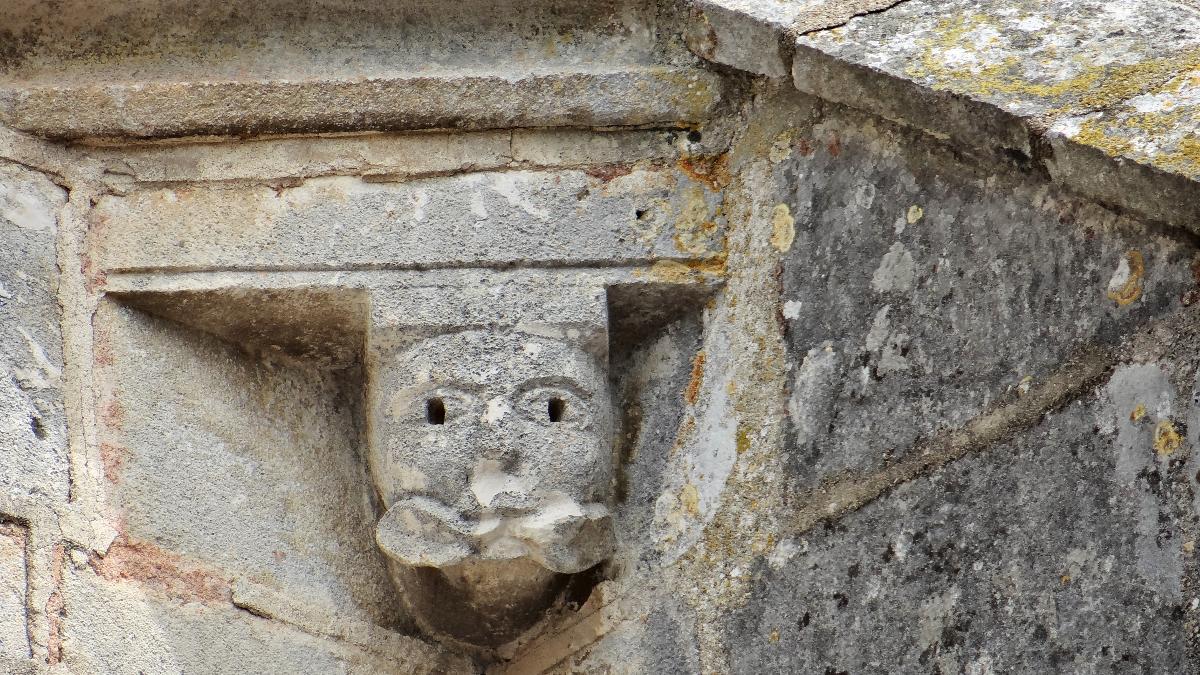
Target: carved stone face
point(493, 445)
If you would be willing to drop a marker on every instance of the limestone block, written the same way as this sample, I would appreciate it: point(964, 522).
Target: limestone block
point(14, 586)
point(919, 290)
point(1110, 92)
point(473, 219)
point(236, 466)
point(33, 435)
point(115, 626)
point(299, 67)
point(1062, 550)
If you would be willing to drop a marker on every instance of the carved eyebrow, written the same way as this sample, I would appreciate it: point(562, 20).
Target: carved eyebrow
point(555, 382)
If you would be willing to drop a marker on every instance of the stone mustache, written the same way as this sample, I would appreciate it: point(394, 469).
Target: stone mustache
point(491, 454)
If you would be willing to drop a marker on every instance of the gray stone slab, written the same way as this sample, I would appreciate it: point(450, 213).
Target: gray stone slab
point(243, 467)
point(190, 69)
point(115, 626)
point(474, 219)
point(1102, 84)
point(921, 288)
point(14, 592)
point(653, 95)
point(1061, 551)
point(33, 434)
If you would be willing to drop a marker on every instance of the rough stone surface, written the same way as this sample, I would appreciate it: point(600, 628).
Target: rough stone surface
point(657, 364)
point(1021, 560)
point(14, 592)
point(32, 431)
point(1088, 79)
point(473, 219)
point(281, 67)
point(920, 289)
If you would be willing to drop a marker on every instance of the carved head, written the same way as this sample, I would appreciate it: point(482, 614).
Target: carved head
point(493, 446)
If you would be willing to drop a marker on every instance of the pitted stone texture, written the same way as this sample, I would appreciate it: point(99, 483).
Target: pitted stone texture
point(14, 591)
point(246, 468)
point(481, 219)
point(33, 435)
point(1061, 551)
point(493, 444)
point(1105, 79)
point(919, 290)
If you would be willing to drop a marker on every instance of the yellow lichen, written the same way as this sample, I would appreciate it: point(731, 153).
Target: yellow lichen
point(1131, 287)
point(914, 214)
point(783, 228)
point(743, 439)
point(1139, 411)
point(781, 148)
point(1166, 439)
point(675, 272)
point(690, 499)
point(1185, 158)
point(1095, 134)
point(1092, 86)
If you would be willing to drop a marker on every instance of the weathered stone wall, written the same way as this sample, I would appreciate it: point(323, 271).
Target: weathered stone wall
point(903, 366)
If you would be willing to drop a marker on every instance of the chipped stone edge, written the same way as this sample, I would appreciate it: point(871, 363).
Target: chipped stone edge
point(975, 126)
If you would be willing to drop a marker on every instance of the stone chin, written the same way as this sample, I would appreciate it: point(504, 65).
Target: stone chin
point(502, 569)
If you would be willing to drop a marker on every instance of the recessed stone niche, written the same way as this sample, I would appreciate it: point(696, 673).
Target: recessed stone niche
point(437, 453)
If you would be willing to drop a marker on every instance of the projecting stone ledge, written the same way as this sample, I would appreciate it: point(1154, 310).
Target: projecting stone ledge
point(1103, 96)
point(645, 95)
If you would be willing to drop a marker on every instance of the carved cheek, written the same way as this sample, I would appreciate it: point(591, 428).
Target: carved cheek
point(570, 461)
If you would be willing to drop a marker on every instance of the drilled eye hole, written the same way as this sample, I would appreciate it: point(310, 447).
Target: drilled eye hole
point(435, 411)
point(555, 408)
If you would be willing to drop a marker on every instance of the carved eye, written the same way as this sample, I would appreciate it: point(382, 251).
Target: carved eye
point(435, 411)
point(443, 406)
point(553, 405)
point(555, 408)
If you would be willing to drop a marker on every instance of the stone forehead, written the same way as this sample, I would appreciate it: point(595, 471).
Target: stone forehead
point(484, 356)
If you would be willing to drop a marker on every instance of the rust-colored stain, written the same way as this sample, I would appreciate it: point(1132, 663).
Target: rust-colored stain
point(673, 272)
point(693, 389)
point(93, 277)
point(112, 457)
point(163, 571)
point(55, 607)
point(803, 146)
point(1166, 439)
point(102, 350)
point(713, 171)
point(112, 414)
point(608, 172)
point(1131, 289)
point(835, 145)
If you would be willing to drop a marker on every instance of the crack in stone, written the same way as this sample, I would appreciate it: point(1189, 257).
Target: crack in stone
point(846, 494)
point(830, 19)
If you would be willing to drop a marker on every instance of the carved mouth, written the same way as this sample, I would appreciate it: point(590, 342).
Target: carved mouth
point(557, 533)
